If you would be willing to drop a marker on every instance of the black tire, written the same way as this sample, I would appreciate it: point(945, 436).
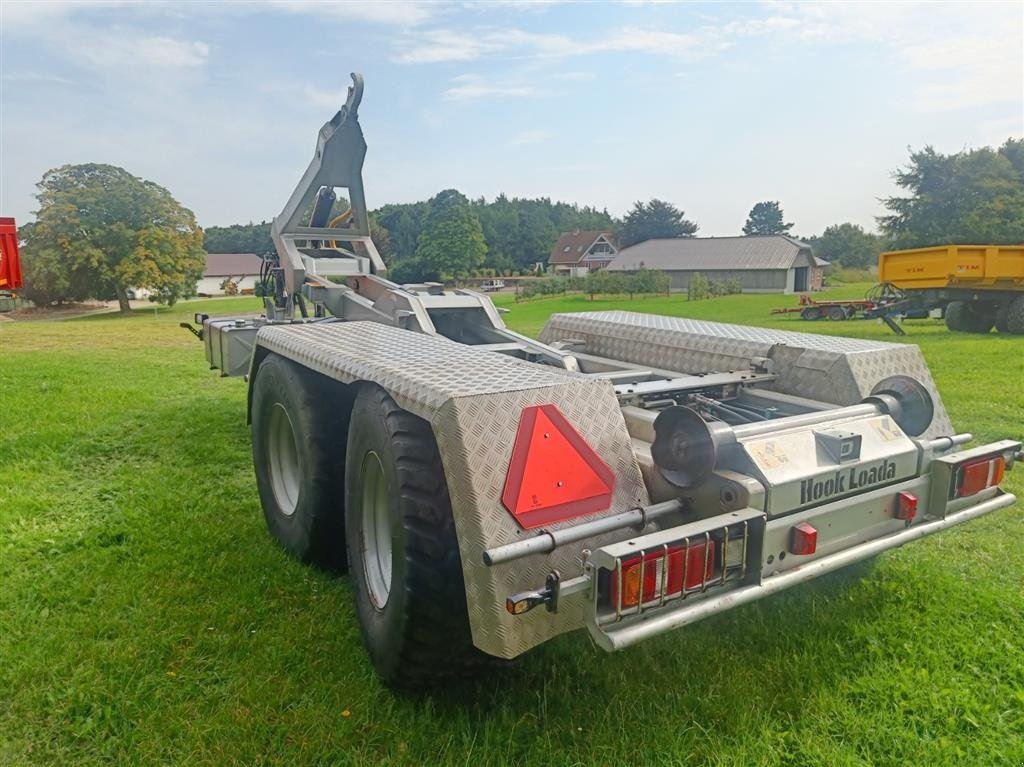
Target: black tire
point(1001, 317)
point(837, 313)
point(811, 313)
point(303, 500)
point(416, 627)
point(965, 317)
point(1015, 316)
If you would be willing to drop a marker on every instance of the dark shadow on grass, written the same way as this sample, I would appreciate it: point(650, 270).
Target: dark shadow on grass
point(758, 638)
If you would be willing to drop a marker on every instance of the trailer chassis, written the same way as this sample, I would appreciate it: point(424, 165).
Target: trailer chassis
point(629, 473)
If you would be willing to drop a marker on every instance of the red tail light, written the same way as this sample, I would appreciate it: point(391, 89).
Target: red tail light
point(976, 476)
point(906, 505)
point(803, 539)
point(687, 572)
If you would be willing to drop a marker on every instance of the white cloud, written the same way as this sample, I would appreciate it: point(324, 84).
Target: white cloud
point(661, 43)
point(575, 77)
point(481, 89)
point(118, 49)
point(530, 137)
point(36, 77)
point(394, 12)
point(440, 45)
point(328, 99)
point(972, 41)
point(18, 14)
point(445, 45)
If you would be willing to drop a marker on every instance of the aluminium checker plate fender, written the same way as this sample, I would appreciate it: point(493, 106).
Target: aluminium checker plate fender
point(832, 369)
point(474, 400)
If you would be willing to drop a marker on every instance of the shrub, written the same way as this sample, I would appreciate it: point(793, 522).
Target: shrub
point(698, 288)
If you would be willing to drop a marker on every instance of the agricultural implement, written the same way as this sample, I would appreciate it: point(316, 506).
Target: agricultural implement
point(10, 264)
point(883, 301)
point(812, 310)
point(626, 473)
point(977, 287)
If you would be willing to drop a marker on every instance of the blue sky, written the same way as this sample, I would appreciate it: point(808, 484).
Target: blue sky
point(711, 106)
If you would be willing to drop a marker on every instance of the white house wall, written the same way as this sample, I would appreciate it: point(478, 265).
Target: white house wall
point(211, 286)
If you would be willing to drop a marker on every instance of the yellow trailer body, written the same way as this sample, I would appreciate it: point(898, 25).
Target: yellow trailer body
point(975, 267)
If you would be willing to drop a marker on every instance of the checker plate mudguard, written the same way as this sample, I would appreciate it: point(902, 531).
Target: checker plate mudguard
point(473, 399)
point(841, 371)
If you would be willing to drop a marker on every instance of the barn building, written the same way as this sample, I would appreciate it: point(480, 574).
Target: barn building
point(240, 268)
point(761, 264)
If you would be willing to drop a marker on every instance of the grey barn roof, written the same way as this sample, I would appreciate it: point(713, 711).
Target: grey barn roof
point(232, 265)
point(712, 253)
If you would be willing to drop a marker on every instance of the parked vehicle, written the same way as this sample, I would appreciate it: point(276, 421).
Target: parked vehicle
point(10, 264)
point(629, 474)
point(978, 287)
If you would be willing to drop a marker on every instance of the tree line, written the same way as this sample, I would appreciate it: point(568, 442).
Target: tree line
point(100, 230)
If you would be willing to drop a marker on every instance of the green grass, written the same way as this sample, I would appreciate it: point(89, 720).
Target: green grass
point(147, 618)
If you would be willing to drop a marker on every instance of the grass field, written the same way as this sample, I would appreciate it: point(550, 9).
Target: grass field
point(147, 618)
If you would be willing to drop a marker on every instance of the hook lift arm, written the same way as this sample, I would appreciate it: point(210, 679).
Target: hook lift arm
point(310, 244)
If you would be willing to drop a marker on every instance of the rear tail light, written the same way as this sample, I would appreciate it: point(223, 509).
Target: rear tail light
point(803, 539)
point(906, 505)
point(685, 568)
point(976, 476)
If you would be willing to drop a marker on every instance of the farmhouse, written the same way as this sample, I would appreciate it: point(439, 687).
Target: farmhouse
point(240, 268)
point(761, 264)
point(581, 251)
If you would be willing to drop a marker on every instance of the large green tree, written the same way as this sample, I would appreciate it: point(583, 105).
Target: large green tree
point(452, 241)
point(101, 230)
point(656, 219)
point(239, 238)
point(971, 197)
point(519, 231)
point(848, 245)
point(766, 218)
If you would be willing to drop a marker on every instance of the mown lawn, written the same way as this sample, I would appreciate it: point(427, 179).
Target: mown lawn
point(147, 618)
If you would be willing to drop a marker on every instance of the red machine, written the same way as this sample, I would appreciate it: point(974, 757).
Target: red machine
point(835, 310)
point(10, 263)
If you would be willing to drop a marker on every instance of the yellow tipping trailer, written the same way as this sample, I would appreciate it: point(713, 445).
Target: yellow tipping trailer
point(977, 286)
point(982, 267)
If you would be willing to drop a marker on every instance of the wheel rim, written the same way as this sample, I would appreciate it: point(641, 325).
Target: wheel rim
point(283, 459)
point(376, 530)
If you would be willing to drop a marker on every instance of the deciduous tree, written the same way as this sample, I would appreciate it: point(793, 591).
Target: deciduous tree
point(105, 230)
point(452, 241)
point(971, 197)
point(848, 245)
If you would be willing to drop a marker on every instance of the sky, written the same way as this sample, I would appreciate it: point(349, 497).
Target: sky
point(711, 106)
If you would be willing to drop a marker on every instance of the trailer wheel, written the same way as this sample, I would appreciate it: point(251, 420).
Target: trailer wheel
point(298, 450)
point(965, 317)
point(811, 313)
point(1014, 313)
point(1001, 317)
point(837, 313)
point(403, 550)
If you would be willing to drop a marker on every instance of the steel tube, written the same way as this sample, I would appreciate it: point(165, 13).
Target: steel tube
point(806, 419)
point(695, 611)
point(941, 444)
point(640, 422)
point(549, 540)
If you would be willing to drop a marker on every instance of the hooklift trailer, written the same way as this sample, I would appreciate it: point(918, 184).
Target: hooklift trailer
point(626, 473)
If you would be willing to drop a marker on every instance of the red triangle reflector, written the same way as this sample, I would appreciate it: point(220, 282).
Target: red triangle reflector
point(554, 474)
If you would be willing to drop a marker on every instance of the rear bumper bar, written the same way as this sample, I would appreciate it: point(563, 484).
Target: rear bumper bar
point(616, 636)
